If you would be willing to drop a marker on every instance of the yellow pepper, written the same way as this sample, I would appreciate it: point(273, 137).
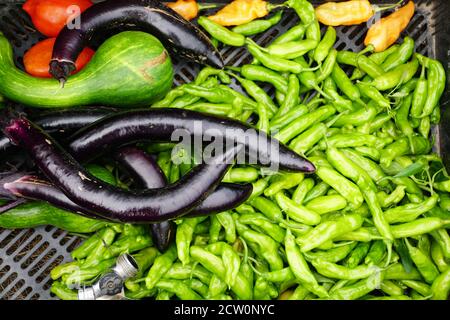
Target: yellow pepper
point(240, 11)
point(385, 32)
point(344, 13)
point(347, 13)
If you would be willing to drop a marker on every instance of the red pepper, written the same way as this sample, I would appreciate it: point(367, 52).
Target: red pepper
point(37, 59)
point(50, 16)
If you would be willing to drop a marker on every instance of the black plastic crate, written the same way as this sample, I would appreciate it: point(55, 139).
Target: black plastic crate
point(27, 256)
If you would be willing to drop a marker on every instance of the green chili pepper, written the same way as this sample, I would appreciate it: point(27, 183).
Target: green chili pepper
point(184, 236)
point(423, 263)
point(378, 58)
point(256, 219)
point(420, 95)
point(325, 204)
point(354, 139)
point(304, 10)
point(300, 268)
point(435, 116)
point(341, 79)
point(357, 255)
point(292, 98)
point(290, 50)
point(329, 230)
point(231, 261)
point(207, 72)
point(393, 198)
point(305, 141)
point(313, 33)
point(332, 270)
point(438, 257)
point(304, 122)
point(411, 211)
point(63, 292)
point(357, 118)
point(161, 265)
point(272, 62)
point(340, 103)
point(338, 182)
point(258, 94)
point(297, 212)
point(418, 286)
point(180, 289)
point(227, 222)
point(97, 254)
point(361, 235)
point(372, 169)
point(260, 73)
point(359, 289)
point(396, 271)
point(308, 78)
point(418, 145)
point(285, 181)
point(443, 238)
point(214, 229)
point(372, 93)
point(244, 174)
point(263, 121)
point(282, 275)
point(436, 83)
point(333, 255)
point(376, 253)
point(295, 33)
point(441, 286)
point(397, 76)
point(277, 123)
point(173, 94)
point(214, 264)
point(258, 26)
point(400, 56)
point(180, 272)
point(267, 246)
point(327, 66)
point(268, 208)
point(362, 179)
point(221, 33)
point(325, 45)
point(302, 190)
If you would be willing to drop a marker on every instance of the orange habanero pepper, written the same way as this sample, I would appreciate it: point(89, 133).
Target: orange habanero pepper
point(188, 9)
point(385, 32)
point(240, 11)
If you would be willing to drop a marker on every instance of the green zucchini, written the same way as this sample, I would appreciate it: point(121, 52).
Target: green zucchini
point(131, 68)
point(33, 214)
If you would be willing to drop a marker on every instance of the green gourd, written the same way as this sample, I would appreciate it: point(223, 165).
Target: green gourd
point(129, 69)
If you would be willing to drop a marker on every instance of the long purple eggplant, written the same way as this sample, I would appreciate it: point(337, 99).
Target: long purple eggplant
point(159, 124)
point(177, 34)
point(63, 121)
point(147, 172)
point(109, 201)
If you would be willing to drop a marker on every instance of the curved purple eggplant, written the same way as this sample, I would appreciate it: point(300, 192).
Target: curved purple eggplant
point(112, 202)
point(63, 121)
point(159, 124)
point(177, 34)
point(146, 173)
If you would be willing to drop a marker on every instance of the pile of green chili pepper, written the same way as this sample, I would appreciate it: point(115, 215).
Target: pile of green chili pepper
point(371, 223)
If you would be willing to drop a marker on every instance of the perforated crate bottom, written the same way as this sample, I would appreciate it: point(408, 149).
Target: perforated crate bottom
point(27, 256)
